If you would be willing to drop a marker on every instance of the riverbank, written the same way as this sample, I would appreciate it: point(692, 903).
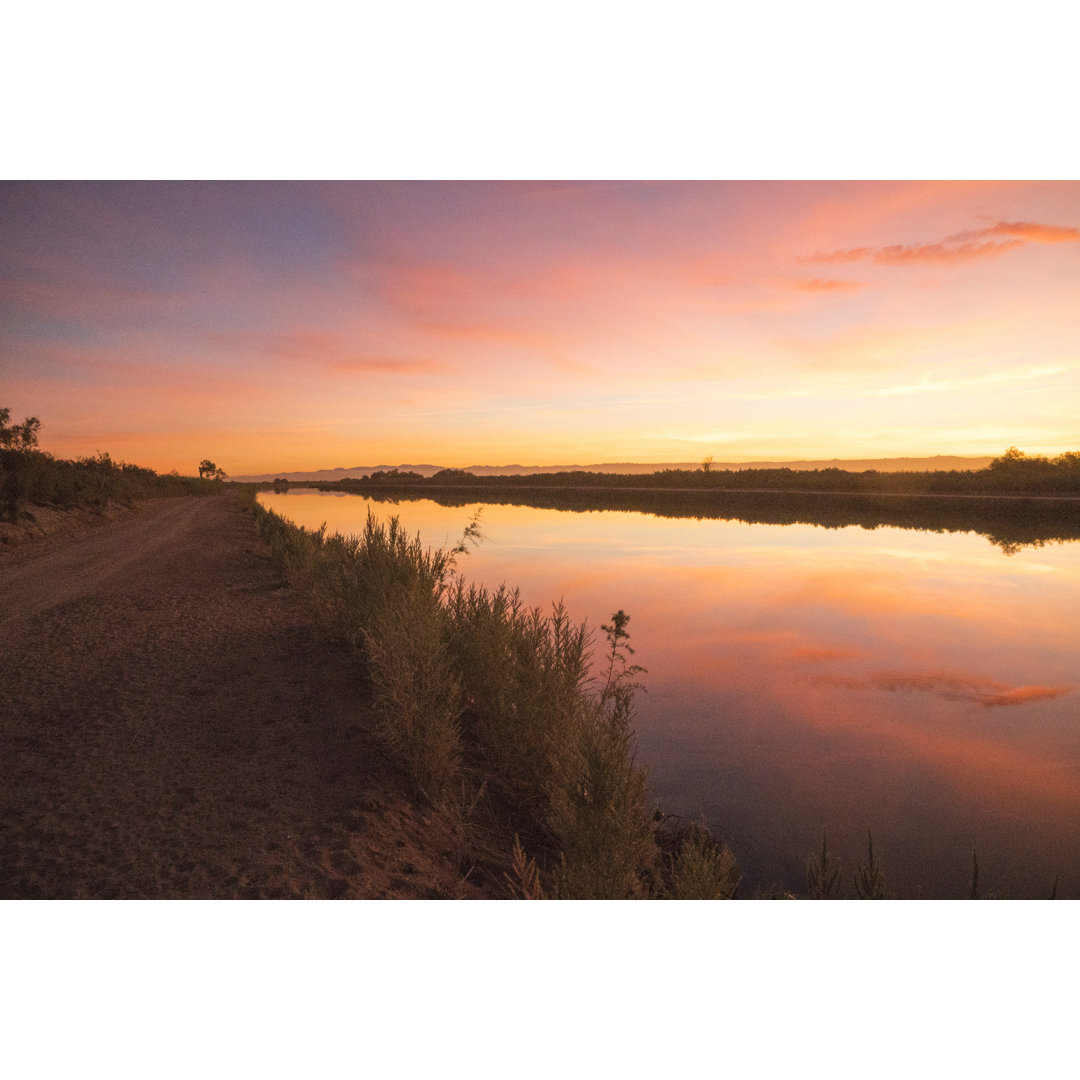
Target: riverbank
point(501, 715)
point(177, 727)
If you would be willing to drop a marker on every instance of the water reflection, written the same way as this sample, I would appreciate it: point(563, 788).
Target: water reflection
point(800, 677)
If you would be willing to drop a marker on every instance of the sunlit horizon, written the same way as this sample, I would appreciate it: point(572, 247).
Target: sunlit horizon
point(288, 327)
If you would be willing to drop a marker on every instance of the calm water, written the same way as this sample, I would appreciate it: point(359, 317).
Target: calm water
point(924, 685)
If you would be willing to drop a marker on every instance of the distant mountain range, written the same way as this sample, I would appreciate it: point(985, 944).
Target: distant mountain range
point(901, 464)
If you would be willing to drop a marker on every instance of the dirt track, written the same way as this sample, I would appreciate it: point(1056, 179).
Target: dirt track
point(173, 725)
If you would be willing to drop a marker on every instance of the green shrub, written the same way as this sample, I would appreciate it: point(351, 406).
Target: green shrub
point(522, 678)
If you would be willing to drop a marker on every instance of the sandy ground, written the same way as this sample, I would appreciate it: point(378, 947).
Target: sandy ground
point(172, 725)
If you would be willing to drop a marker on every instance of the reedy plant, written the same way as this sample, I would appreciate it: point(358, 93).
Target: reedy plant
point(620, 685)
point(524, 882)
point(869, 879)
point(823, 879)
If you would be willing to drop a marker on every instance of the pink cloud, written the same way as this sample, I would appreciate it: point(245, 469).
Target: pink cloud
point(328, 351)
point(488, 332)
point(391, 365)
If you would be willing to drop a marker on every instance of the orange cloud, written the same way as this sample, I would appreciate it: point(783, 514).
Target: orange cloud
point(817, 655)
point(974, 244)
point(1021, 694)
point(1037, 234)
point(849, 255)
point(828, 285)
point(943, 252)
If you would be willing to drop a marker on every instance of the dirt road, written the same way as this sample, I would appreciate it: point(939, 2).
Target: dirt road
point(173, 725)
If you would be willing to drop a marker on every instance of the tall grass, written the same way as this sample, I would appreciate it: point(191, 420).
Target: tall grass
point(475, 687)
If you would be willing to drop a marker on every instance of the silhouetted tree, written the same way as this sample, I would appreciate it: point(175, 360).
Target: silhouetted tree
point(209, 471)
point(22, 436)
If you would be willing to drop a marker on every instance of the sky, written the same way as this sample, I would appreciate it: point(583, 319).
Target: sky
point(277, 326)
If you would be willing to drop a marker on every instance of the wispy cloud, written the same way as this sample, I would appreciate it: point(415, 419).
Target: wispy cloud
point(997, 378)
point(959, 247)
point(97, 302)
point(328, 351)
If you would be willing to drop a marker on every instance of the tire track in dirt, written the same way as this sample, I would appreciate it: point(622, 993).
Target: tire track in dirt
point(68, 569)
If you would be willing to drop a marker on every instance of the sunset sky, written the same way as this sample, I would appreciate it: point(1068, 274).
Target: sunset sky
point(278, 326)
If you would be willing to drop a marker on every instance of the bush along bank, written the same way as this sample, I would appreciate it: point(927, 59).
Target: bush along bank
point(30, 478)
point(492, 707)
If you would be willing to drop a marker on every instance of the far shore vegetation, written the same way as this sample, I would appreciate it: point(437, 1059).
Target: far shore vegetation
point(1015, 502)
point(1013, 473)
